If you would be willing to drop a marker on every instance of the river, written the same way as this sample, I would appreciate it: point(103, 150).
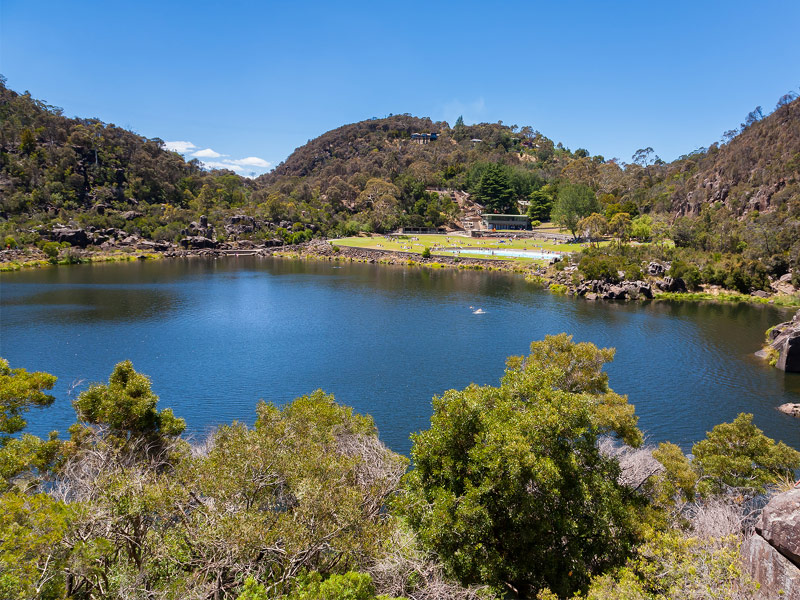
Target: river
point(215, 336)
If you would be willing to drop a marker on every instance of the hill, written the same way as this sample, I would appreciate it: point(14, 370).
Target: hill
point(741, 197)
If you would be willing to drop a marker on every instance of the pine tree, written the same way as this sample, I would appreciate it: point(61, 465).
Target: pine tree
point(495, 193)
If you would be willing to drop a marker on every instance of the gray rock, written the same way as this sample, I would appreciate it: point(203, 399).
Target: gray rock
point(789, 408)
point(616, 292)
point(789, 359)
point(777, 575)
point(74, 237)
point(674, 284)
point(780, 524)
point(236, 225)
point(657, 269)
point(196, 242)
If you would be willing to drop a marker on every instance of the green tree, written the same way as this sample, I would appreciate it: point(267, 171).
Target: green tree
point(642, 228)
point(509, 487)
point(574, 202)
point(19, 391)
point(594, 226)
point(26, 459)
point(739, 455)
point(32, 555)
point(305, 489)
point(541, 203)
point(620, 226)
point(380, 202)
point(494, 191)
point(127, 406)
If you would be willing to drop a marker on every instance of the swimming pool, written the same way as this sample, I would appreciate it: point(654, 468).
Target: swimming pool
point(536, 254)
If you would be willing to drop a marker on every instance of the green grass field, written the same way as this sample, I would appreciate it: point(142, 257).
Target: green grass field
point(418, 242)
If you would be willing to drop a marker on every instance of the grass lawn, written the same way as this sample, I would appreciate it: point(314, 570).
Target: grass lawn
point(418, 242)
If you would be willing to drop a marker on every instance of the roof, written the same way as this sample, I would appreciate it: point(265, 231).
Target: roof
point(494, 215)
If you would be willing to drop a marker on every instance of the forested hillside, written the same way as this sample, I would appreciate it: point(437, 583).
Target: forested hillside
point(739, 198)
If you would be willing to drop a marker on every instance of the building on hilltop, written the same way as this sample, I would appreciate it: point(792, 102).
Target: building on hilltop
point(424, 138)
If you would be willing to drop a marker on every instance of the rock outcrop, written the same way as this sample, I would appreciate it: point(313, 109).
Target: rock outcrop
point(196, 242)
point(790, 408)
point(784, 339)
point(772, 553)
point(74, 237)
point(237, 225)
point(200, 229)
point(625, 290)
point(671, 284)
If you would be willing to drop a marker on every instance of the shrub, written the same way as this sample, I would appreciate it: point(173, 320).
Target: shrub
point(426, 253)
point(598, 266)
point(10, 242)
point(633, 273)
point(689, 273)
point(51, 249)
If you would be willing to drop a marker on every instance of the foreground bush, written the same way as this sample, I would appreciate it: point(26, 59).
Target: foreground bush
point(509, 487)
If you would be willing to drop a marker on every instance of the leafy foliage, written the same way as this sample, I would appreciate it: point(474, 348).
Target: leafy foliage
point(739, 455)
point(508, 485)
point(19, 391)
point(574, 202)
point(127, 405)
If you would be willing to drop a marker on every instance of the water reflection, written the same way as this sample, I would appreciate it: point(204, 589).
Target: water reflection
point(217, 335)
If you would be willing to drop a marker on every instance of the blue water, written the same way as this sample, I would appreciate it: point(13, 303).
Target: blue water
point(216, 336)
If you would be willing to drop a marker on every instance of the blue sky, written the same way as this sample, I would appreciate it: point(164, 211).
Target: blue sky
point(245, 83)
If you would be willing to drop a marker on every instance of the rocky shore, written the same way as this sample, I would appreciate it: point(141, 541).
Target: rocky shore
point(200, 239)
point(783, 349)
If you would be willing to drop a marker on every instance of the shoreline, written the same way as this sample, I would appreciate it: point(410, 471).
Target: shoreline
point(323, 250)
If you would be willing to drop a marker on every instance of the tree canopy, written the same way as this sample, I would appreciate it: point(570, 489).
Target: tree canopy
point(573, 203)
point(494, 191)
point(508, 485)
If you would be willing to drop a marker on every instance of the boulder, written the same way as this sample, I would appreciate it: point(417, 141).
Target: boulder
point(674, 284)
point(784, 339)
point(780, 524)
point(74, 237)
point(196, 242)
point(776, 575)
point(236, 225)
point(657, 269)
point(772, 553)
point(789, 408)
point(789, 358)
point(616, 292)
point(130, 215)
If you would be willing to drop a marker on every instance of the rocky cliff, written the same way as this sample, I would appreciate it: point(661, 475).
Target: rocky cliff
point(784, 345)
point(772, 553)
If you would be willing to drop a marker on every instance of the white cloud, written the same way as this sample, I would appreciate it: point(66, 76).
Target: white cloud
point(180, 147)
point(250, 161)
point(207, 153)
point(212, 164)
